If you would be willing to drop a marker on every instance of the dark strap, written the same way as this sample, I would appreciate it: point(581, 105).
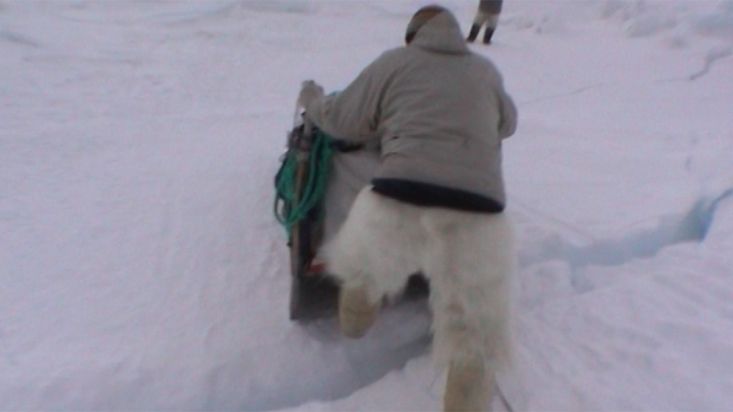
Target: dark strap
point(430, 195)
point(344, 146)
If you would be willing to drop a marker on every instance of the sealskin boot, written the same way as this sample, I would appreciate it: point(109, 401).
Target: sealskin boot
point(473, 33)
point(356, 314)
point(468, 387)
point(488, 34)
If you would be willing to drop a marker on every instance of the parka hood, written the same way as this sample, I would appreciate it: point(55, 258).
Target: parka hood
point(441, 34)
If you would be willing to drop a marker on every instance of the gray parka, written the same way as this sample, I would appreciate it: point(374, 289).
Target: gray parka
point(439, 110)
point(490, 6)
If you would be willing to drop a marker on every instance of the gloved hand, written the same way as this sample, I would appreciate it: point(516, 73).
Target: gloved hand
point(309, 91)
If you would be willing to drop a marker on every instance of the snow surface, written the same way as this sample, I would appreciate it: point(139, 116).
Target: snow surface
point(142, 268)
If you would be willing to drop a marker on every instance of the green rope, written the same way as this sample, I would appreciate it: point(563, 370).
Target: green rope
point(287, 211)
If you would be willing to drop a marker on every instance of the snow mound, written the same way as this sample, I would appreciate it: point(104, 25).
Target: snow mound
point(717, 23)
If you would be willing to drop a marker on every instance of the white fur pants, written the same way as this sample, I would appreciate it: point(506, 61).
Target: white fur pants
point(468, 257)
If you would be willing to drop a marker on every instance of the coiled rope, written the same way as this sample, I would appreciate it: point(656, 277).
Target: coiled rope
point(292, 207)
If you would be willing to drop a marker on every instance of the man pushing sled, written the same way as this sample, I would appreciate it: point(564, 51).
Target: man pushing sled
point(434, 115)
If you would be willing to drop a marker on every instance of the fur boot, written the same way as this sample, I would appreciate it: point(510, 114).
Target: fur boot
point(356, 313)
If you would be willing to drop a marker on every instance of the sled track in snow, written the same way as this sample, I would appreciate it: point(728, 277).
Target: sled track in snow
point(350, 365)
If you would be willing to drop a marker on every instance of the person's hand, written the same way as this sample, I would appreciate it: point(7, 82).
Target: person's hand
point(309, 91)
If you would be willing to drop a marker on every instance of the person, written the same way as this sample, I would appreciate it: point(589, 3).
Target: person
point(487, 14)
point(435, 205)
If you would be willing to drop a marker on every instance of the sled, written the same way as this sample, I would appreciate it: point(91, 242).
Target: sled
point(312, 293)
point(300, 184)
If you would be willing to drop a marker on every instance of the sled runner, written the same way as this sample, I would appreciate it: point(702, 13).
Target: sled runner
point(302, 188)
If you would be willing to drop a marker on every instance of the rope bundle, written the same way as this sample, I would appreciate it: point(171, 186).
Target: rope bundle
point(292, 207)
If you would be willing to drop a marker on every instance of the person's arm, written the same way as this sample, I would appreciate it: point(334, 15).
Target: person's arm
point(508, 113)
point(353, 113)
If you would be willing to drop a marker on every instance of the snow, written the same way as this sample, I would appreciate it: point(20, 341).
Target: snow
point(142, 268)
